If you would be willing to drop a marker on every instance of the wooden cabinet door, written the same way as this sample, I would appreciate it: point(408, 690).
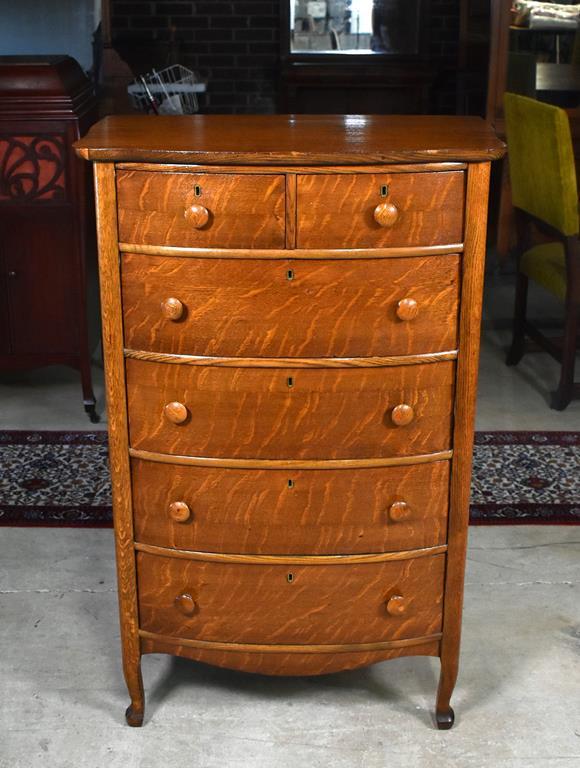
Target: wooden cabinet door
point(39, 275)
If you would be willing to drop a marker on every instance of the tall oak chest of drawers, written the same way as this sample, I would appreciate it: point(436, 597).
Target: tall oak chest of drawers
point(291, 311)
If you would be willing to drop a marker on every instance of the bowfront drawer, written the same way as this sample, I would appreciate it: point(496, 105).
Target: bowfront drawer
point(211, 210)
point(365, 210)
point(285, 308)
point(290, 512)
point(310, 604)
point(290, 413)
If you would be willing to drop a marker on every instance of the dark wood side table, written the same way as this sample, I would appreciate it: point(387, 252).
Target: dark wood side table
point(46, 220)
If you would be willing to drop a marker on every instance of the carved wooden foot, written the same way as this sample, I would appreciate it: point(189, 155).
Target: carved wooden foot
point(445, 719)
point(134, 717)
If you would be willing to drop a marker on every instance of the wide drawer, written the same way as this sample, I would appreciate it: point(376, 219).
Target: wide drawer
point(295, 512)
point(218, 210)
point(285, 308)
point(290, 413)
point(349, 211)
point(306, 604)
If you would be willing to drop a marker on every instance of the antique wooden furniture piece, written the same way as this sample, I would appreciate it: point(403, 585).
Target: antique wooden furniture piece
point(540, 147)
point(46, 104)
point(291, 311)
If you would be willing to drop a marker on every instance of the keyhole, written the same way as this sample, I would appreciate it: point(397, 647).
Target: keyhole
point(290, 578)
point(290, 483)
point(290, 381)
point(290, 274)
point(197, 190)
point(384, 190)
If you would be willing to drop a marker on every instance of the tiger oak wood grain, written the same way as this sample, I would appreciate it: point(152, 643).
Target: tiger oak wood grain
point(291, 139)
point(254, 413)
point(242, 211)
point(291, 512)
point(281, 662)
point(112, 335)
point(329, 308)
point(322, 604)
point(339, 211)
point(313, 365)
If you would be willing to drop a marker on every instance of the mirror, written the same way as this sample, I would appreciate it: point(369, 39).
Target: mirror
point(354, 26)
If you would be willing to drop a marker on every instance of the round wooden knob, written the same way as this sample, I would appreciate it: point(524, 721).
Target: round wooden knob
point(407, 309)
point(386, 214)
point(396, 605)
point(402, 414)
point(185, 604)
point(197, 216)
point(172, 308)
point(179, 511)
point(176, 413)
point(399, 510)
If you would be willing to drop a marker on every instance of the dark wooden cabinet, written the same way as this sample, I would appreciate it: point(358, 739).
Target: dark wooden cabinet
point(46, 103)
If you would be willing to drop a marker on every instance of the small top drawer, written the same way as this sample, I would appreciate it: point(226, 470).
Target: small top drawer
point(380, 210)
point(206, 210)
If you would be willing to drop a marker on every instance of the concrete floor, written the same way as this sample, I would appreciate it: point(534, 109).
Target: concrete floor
point(517, 700)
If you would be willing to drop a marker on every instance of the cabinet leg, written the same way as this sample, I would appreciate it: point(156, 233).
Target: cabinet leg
point(444, 715)
point(136, 709)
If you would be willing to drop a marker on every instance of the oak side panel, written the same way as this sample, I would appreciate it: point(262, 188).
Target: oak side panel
point(256, 308)
point(338, 211)
point(280, 663)
point(269, 604)
point(290, 413)
point(291, 512)
point(466, 392)
point(112, 335)
point(242, 211)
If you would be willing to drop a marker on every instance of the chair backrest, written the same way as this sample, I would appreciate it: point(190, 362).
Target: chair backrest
point(541, 161)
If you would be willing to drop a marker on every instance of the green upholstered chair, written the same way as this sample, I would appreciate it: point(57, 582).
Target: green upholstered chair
point(545, 196)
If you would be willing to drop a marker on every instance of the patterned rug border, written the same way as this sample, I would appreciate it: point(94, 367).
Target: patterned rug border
point(87, 516)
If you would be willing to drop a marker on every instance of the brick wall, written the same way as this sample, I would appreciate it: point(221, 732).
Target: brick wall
point(235, 45)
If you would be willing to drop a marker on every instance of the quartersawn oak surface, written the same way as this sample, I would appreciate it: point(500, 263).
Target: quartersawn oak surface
point(245, 211)
point(257, 604)
point(290, 413)
point(336, 211)
point(290, 512)
point(331, 308)
point(290, 139)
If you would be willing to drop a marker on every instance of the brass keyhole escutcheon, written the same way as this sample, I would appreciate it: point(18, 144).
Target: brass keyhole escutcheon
point(384, 190)
point(290, 381)
point(290, 274)
point(290, 578)
point(290, 483)
point(197, 190)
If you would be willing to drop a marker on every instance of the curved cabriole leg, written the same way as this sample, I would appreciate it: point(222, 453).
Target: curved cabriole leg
point(444, 715)
point(133, 678)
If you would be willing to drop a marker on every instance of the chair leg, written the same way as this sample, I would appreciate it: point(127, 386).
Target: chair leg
point(518, 341)
point(562, 396)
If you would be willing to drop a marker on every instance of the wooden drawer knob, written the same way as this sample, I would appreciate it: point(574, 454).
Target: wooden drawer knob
point(176, 413)
point(402, 415)
point(172, 308)
point(179, 511)
point(407, 309)
point(399, 511)
point(396, 605)
point(386, 214)
point(185, 604)
point(197, 216)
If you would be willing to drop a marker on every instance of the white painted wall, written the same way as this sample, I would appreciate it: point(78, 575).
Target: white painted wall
point(49, 26)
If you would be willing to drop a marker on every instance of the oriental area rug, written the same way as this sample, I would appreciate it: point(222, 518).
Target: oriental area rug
point(62, 479)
